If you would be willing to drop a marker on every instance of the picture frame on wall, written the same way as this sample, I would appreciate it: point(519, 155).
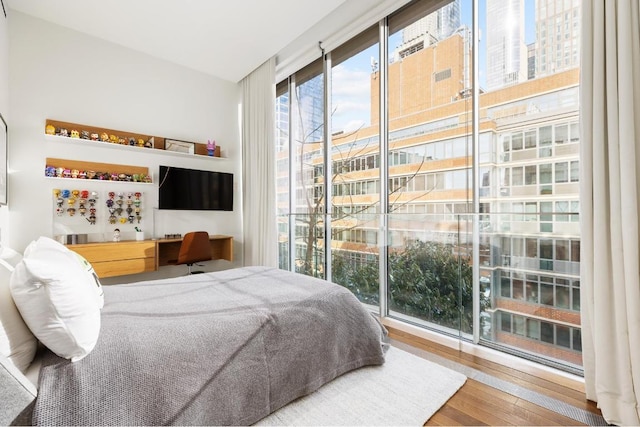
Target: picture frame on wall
point(179, 146)
point(4, 135)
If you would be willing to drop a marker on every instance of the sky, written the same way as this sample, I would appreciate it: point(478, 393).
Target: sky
point(351, 80)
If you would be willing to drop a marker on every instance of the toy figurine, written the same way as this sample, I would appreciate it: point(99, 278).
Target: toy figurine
point(104, 137)
point(85, 134)
point(50, 130)
point(211, 147)
point(75, 133)
point(64, 132)
point(95, 137)
point(116, 235)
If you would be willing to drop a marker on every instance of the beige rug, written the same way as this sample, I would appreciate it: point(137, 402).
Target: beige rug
point(406, 390)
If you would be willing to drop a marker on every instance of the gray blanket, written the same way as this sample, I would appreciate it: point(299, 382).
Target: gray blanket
point(210, 349)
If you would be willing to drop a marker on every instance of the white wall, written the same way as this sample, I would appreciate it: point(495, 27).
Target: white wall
point(56, 73)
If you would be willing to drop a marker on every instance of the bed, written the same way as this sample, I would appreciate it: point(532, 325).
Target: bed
point(210, 349)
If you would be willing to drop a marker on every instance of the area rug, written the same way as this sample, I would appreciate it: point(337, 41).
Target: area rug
point(406, 390)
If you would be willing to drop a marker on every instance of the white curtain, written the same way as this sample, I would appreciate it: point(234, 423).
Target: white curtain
point(258, 164)
point(610, 195)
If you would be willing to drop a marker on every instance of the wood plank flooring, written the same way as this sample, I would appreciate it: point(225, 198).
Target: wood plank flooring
point(479, 404)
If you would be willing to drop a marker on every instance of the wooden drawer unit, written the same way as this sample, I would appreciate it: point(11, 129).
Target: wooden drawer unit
point(119, 258)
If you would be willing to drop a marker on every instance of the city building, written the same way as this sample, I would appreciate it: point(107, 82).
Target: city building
point(431, 29)
point(557, 36)
point(506, 49)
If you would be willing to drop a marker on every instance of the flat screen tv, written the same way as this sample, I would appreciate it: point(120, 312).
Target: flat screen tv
point(191, 189)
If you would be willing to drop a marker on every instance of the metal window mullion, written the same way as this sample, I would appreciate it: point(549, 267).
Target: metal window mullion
point(384, 166)
point(292, 174)
point(328, 173)
point(475, 129)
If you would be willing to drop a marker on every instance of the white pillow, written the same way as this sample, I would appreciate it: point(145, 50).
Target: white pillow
point(56, 298)
point(17, 343)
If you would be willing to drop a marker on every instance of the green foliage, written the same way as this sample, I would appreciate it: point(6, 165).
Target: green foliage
point(427, 280)
point(362, 280)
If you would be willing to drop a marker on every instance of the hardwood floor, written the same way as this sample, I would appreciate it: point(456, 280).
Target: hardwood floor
point(477, 403)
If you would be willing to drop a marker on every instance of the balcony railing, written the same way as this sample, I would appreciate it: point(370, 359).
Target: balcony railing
point(524, 276)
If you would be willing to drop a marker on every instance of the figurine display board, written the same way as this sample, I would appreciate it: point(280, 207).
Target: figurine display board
point(76, 169)
point(77, 210)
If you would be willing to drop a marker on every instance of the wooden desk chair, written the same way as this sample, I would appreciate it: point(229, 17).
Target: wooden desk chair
point(195, 247)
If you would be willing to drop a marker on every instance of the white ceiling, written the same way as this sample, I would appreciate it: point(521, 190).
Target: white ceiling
point(227, 39)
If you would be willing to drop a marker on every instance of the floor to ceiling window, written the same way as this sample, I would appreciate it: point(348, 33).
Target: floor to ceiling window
point(355, 166)
point(424, 203)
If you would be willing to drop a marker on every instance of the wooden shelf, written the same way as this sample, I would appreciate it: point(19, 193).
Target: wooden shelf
point(158, 141)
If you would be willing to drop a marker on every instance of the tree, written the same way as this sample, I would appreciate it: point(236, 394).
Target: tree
point(429, 281)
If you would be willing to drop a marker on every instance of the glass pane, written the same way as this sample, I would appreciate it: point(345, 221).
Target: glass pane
point(546, 173)
point(532, 292)
point(517, 177)
point(533, 329)
point(546, 294)
point(282, 176)
point(562, 297)
point(546, 332)
point(518, 292)
point(429, 257)
point(561, 172)
point(563, 337)
point(530, 175)
point(355, 146)
point(562, 134)
point(562, 250)
point(577, 339)
point(308, 131)
point(505, 322)
point(530, 139)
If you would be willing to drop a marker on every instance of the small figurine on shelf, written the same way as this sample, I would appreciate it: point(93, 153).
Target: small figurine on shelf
point(211, 147)
point(116, 235)
point(50, 130)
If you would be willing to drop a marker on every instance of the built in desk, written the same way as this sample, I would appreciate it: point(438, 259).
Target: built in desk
point(111, 259)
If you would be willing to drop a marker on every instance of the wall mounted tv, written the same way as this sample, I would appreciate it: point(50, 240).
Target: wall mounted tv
point(191, 189)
